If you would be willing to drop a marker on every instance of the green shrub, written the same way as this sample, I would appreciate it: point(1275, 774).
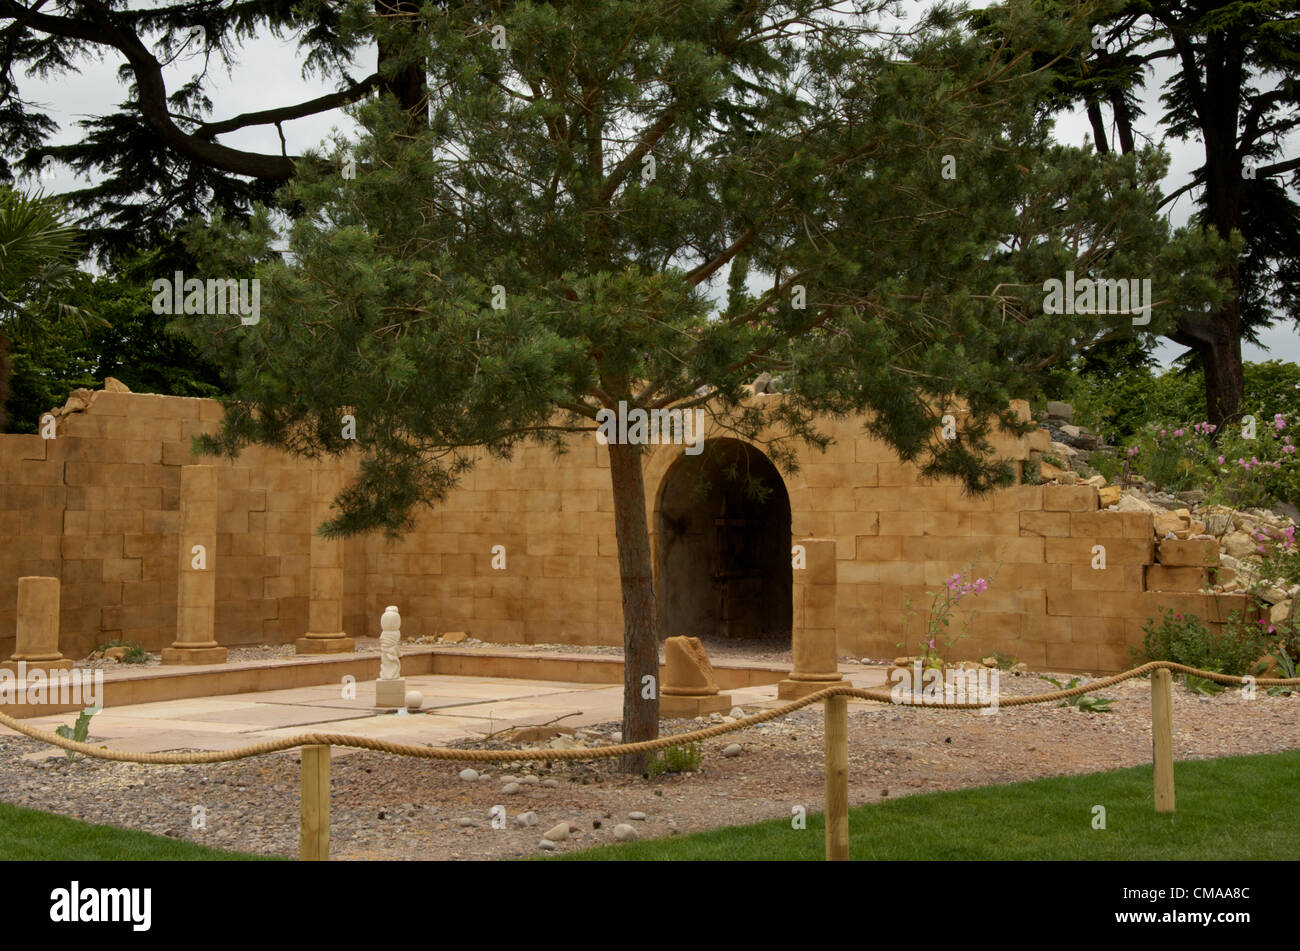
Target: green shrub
point(1087, 702)
point(79, 731)
point(677, 759)
point(1185, 639)
point(135, 654)
point(1105, 463)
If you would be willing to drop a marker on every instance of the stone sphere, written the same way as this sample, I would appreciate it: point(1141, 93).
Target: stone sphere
point(414, 699)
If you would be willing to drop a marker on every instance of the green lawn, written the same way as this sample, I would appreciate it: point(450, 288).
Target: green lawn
point(26, 835)
point(1241, 807)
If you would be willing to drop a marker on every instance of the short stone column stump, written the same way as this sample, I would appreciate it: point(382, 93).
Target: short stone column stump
point(689, 689)
point(37, 641)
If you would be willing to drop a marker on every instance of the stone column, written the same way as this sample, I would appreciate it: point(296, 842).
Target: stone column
point(816, 654)
point(196, 589)
point(325, 610)
point(37, 643)
point(688, 688)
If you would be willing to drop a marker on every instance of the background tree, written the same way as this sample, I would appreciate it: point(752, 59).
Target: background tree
point(38, 255)
point(159, 158)
point(1234, 88)
point(128, 341)
point(551, 245)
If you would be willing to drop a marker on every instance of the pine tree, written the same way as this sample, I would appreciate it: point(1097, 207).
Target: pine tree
point(552, 246)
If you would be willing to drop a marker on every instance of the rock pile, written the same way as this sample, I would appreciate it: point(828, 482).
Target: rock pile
point(81, 399)
point(1184, 515)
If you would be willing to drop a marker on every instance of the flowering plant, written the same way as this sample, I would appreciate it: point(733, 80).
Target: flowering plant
point(1240, 467)
point(958, 586)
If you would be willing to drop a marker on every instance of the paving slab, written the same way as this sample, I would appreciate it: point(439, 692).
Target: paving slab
point(454, 707)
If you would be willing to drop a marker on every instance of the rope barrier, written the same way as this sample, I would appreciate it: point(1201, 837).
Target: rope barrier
point(315, 796)
point(603, 752)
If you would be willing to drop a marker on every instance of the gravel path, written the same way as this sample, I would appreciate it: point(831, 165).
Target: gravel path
point(397, 808)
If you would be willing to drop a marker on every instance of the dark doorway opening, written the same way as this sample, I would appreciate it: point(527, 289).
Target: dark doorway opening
point(724, 547)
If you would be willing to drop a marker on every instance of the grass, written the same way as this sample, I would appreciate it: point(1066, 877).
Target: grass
point(29, 835)
point(1240, 807)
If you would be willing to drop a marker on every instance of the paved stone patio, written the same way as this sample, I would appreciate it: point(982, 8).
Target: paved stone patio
point(462, 707)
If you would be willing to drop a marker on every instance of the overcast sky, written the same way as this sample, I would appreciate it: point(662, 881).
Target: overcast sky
point(269, 75)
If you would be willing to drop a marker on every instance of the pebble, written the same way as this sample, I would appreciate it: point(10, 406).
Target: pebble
point(616, 736)
point(546, 845)
point(469, 775)
point(733, 749)
point(508, 779)
point(511, 788)
point(623, 831)
point(484, 777)
point(636, 816)
point(529, 780)
point(526, 819)
point(551, 783)
point(558, 832)
point(736, 713)
point(467, 822)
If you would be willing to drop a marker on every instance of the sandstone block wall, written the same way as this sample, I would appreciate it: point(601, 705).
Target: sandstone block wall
point(525, 551)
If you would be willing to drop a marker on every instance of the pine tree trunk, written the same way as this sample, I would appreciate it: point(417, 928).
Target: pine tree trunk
point(1225, 380)
point(640, 611)
point(408, 85)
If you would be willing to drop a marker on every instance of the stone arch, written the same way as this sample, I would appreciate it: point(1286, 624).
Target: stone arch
point(721, 539)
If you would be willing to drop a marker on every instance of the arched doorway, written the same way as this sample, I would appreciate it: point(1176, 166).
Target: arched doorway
point(723, 553)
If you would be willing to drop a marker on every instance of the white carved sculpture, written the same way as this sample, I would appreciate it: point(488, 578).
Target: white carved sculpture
point(390, 664)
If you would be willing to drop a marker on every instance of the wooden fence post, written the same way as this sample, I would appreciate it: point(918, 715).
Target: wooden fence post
point(837, 778)
point(1162, 738)
point(314, 833)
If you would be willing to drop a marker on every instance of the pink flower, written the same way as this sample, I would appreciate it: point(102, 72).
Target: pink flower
point(1178, 432)
point(1162, 432)
point(981, 585)
point(1132, 451)
point(1220, 460)
point(953, 582)
point(1278, 421)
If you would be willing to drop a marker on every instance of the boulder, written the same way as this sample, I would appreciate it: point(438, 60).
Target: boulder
point(1279, 613)
point(1273, 594)
point(1060, 410)
point(1132, 502)
point(1177, 522)
point(1239, 545)
point(1108, 495)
